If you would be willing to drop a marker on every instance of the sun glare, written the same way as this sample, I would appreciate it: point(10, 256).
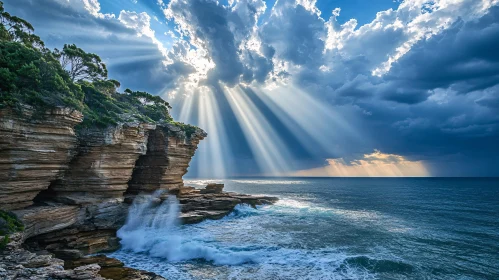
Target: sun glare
point(376, 164)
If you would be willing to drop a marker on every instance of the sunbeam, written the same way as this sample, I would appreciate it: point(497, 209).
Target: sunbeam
point(302, 113)
point(213, 163)
point(376, 164)
point(269, 150)
point(186, 108)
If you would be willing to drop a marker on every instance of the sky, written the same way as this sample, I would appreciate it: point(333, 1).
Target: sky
point(303, 87)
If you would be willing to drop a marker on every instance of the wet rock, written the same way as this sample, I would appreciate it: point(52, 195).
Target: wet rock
point(89, 272)
point(199, 205)
point(113, 269)
point(213, 188)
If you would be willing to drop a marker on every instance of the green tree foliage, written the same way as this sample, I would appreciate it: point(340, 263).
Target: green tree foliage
point(17, 30)
point(151, 105)
point(8, 225)
point(81, 65)
point(33, 75)
point(107, 107)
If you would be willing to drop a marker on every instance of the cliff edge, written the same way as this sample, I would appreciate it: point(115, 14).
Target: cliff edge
point(71, 190)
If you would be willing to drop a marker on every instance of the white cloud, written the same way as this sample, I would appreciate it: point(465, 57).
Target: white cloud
point(141, 22)
point(393, 32)
point(93, 7)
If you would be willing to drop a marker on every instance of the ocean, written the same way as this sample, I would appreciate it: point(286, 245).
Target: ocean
point(333, 228)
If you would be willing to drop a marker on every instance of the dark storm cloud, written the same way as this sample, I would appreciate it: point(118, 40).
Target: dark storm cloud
point(209, 23)
point(438, 102)
point(297, 36)
point(220, 31)
point(464, 57)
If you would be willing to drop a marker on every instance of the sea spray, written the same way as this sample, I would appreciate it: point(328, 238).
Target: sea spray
point(152, 227)
point(148, 218)
point(240, 246)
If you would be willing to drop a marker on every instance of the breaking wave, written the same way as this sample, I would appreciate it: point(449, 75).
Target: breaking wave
point(152, 227)
point(240, 246)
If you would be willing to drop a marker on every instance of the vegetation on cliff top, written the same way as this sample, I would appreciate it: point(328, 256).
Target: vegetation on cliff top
point(31, 74)
point(8, 225)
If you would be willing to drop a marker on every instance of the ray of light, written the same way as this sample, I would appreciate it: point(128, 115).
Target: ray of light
point(307, 141)
point(269, 150)
point(301, 112)
point(133, 59)
point(212, 160)
point(186, 108)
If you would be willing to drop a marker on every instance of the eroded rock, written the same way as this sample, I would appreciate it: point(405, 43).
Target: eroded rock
point(212, 203)
point(166, 161)
point(34, 151)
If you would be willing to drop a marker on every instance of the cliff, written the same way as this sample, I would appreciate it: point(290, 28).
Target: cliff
point(71, 189)
point(67, 180)
point(34, 153)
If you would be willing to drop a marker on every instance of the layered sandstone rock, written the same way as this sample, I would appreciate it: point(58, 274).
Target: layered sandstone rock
point(69, 189)
point(98, 177)
point(212, 203)
point(43, 219)
point(104, 164)
point(94, 183)
point(113, 269)
point(169, 152)
point(34, 151)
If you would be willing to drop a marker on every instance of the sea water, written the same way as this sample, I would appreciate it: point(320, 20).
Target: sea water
point(327, 228)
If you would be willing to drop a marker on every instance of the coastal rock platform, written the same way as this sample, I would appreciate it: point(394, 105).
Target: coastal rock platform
point(20, 262)
point(199, 204)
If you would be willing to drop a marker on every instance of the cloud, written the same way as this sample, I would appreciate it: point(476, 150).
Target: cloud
point(93, 7)
point(419, 81)
point(141, 22)
point(224, 37)
point(376, 164)
point(291, 24)
point(126, 44)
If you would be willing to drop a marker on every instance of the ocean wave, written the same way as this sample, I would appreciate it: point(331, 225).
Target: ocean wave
point(200, 182)
point(361, 217)
point(270, 182)
point(270, 263)
point(379, 265)
point(243, 245)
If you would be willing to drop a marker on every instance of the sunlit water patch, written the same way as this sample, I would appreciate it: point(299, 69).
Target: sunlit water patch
point(324, 229)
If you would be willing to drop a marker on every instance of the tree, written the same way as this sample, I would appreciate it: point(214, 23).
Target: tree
point(150, 105)
point(107, 86)
point(81, 65)
point(16, 29)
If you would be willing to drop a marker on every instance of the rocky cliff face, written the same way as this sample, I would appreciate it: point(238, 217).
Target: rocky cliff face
point(20, 264)
point(33, 153)
point(165, 162)
point(103, 165)
point(69, 188)
point(72, 190)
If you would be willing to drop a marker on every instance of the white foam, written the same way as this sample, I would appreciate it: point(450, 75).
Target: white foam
point(270, 182)
point(242, 245)
point(200, 183)
point(153, 229)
